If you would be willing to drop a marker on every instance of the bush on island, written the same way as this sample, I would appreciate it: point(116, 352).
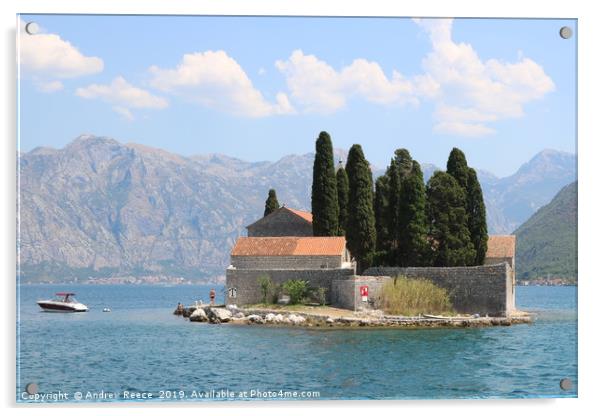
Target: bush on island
point(296, 289)
point(321, 295)
point(411, 297)
point(265, 284)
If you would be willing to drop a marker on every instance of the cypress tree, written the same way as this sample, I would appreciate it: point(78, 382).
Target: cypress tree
point(324, 201)
point(477, 217)
point(381, 207)
point(361, 230)
point(343, 198)
point(475, 206)
point(414, 249)
point(404, 161)
point(398, 170)
point(458, 167)
point(446, 206)
point(271, 204)
point(394, 191)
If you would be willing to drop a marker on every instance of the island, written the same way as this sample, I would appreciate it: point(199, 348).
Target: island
point(398, 254)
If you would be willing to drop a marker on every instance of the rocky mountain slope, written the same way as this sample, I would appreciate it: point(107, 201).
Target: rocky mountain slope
point(512, 200)
point(547, 242)
point(98, 207)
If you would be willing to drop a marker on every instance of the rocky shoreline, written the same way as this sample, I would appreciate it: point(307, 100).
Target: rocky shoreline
point(219, 314)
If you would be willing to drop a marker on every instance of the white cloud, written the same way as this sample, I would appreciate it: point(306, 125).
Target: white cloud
point(49, 86)
point(48, 56)
point(123, 95)
point(459, 128)
point(318, 87)
point(215, 80)
point(469, 94)
point(468, 91)
point(124, 112)
point(283, 105)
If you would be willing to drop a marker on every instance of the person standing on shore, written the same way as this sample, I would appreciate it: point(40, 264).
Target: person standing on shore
point(179, 309)
point(212, 296)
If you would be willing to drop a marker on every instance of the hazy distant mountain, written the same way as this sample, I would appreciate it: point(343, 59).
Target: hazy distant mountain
point(547, 242)
point(98, 207)
point(512, 200)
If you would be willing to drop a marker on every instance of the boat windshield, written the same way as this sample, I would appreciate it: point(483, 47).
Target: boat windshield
point(65, 299)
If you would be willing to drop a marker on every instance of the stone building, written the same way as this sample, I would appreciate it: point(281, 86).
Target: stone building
point(282, 247)
point(281, 223)
point(290, 253)
point(317, 260)
point(501, 248)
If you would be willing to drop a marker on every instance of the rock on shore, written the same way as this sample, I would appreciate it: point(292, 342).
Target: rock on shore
point(198, 315)
point(218, 315)
point(234, 315)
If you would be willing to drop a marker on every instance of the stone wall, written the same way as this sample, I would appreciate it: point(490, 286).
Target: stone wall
point(498, 260)
point(280, 224)
point(286, 262)
point(248, 290)
point(487, 289)
point(346, 293)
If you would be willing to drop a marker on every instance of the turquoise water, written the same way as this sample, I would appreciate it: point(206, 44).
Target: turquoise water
point(141, 348)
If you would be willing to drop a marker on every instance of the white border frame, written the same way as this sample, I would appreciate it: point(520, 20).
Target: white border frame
point(589, 73)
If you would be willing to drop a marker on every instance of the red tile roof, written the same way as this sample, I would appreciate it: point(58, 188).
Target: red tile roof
point(499, 246)
point(289, 246)
point(307, 216)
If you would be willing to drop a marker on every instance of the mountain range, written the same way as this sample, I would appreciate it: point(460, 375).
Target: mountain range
point(547, 242)
point(98, 207)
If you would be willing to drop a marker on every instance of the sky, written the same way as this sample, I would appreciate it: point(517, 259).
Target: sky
point(260, 88)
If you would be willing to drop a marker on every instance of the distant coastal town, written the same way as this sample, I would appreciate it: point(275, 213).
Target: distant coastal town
point(556, 281)
point(135, 280)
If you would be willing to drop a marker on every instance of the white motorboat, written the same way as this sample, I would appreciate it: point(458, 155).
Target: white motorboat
point(63, 302)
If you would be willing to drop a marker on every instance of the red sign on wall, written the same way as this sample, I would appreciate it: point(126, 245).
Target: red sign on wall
point(364, 292)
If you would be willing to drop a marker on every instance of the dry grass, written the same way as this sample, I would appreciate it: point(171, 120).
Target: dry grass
point(411, 297)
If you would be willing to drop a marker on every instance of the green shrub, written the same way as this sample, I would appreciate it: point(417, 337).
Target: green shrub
point(321, 295)
point(265, 284)
point(410, 297)
point(315, 296)
point(276, 292)
point(296, 289)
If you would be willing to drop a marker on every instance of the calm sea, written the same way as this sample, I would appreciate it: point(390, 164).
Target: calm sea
point(140, 349)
